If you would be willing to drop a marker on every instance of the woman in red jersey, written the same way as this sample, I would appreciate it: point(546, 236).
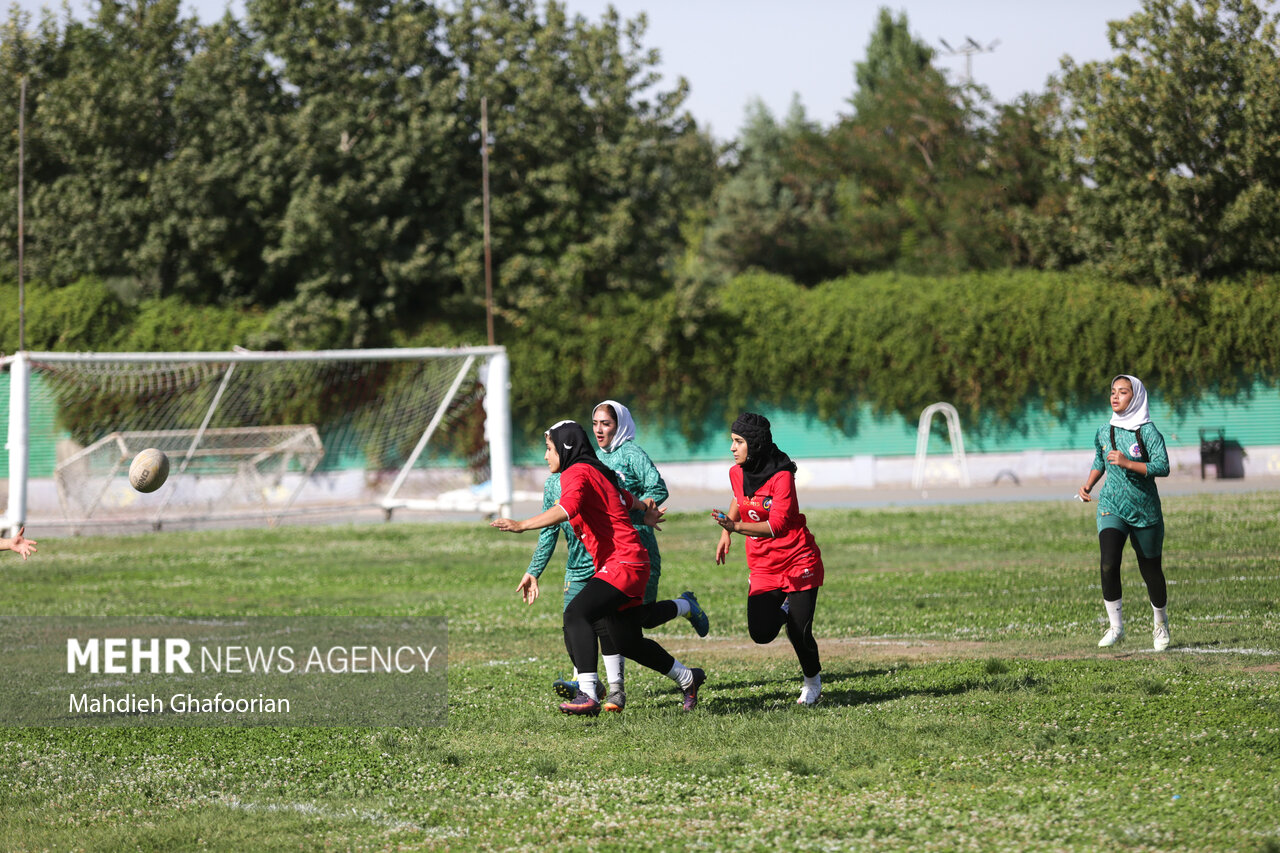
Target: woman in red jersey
point(596, 506)
point(782, 556)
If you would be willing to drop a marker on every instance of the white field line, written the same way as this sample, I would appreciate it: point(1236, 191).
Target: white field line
point(1231, 579)
point(510, 662)
point(1192, 650)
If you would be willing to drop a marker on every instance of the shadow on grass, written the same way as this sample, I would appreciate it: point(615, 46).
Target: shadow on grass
point(845, 689)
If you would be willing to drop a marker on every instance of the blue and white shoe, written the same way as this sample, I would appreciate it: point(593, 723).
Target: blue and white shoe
point(696, 615)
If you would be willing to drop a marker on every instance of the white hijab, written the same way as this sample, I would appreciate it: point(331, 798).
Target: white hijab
point(1138, 412)
point(626, 425)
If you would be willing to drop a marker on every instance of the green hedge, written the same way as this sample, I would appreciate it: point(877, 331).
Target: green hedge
point(88, 316)
point(986, 342)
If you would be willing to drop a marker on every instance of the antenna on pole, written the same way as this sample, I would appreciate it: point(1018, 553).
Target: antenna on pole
point(967, 50)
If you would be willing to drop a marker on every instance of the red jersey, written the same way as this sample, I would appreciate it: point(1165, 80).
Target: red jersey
point(790, 559)
point(597, 512)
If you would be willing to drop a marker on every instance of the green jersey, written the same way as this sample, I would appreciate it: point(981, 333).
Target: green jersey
point(579, 567)
point(1126, 494)
point(640, 477)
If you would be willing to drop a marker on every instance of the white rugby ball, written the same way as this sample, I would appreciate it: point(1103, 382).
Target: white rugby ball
point(149, 470)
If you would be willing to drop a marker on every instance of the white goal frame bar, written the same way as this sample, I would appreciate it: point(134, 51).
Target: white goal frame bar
point(495, 376)
point(952, 417)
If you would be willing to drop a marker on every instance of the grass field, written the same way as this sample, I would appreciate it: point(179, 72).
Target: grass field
point(966, 706)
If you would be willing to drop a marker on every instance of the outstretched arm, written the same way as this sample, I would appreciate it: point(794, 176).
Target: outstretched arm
point(546, 518)
point(19, 544)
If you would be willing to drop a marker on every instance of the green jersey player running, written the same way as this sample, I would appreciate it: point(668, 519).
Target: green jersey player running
point(1130, 451)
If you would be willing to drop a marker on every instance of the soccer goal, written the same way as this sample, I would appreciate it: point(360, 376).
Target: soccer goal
point(257, 436)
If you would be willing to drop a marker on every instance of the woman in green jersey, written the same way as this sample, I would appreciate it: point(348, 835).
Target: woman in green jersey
point(1130, 451)
point(615, 432)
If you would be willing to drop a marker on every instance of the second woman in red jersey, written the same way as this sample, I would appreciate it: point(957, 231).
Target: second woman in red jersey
point(783, 559)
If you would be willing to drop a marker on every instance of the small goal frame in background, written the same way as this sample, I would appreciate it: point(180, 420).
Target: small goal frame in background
point(271, 470)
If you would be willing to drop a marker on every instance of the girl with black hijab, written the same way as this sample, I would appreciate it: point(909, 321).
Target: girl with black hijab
point(596, 506)
point(783, 558)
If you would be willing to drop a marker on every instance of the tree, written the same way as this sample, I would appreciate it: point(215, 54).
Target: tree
point(371, 149)
point(919, 178)
point(918, 191)
point(1035, 223)
point(892, 54)
point(592, 165)
point(771, 213)
point(1171, 145)
point(220, 195)
point(101, 123)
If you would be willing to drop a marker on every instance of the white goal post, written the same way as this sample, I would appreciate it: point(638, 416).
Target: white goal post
point(257, 436)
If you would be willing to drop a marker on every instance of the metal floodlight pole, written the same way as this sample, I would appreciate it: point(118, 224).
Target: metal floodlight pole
point(22, 158)
point(19, 368)
point(484, 177)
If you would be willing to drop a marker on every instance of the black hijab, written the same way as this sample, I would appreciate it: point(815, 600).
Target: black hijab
point(764, 459)
point(576, 447)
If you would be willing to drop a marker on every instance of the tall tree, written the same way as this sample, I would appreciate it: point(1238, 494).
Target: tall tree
point(892, 54)
point(220, 195)
point(772, 213)
point(104, 123)
point(1172, 147)
point(593, 164)
point(34, 53)
point(918, 191)
point(372, 150)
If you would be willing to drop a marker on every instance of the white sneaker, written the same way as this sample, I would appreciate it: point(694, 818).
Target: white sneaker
point(810, 693)
point(1113, 636)
point(1160, 636)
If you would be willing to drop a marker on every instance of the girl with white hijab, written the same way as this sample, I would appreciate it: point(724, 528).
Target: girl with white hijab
point(615, 432)
point(1130, 452)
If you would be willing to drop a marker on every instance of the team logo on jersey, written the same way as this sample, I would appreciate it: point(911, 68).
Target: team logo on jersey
point(1135, 450)
point(768, 502)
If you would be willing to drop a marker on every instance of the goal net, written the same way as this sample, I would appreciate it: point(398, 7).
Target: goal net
point(258, 435)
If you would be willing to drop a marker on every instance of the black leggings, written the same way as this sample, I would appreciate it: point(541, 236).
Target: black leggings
point(765, 619)
point(649, 615)
point(1111, 542)
point(598, 603)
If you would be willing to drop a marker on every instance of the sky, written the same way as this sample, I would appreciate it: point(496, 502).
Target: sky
point(734, 51)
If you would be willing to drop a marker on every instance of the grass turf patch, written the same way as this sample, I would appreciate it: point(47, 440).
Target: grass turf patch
point(965, 704)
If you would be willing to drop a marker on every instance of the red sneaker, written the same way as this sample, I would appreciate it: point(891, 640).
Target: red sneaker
point(581, 705)
point(691, 693)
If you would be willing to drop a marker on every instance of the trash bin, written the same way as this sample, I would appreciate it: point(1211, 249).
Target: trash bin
point(1225, 455)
